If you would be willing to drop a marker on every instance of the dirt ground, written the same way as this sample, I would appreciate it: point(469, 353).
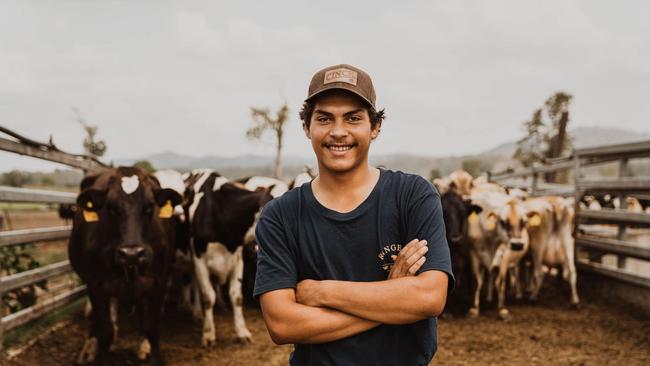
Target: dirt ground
point(547, 333)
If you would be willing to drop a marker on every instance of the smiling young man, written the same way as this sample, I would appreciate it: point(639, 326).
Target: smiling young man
point(354, 267)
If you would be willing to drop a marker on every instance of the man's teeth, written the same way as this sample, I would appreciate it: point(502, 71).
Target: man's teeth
point(340, 148)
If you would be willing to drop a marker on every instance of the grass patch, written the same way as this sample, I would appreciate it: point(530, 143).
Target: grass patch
point(30, 330)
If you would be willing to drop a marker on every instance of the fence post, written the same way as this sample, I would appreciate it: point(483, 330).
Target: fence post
point(534, 183)
point(623, 171)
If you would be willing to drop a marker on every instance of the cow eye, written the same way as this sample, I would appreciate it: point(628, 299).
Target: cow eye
point(112, 210)
point(148, 209)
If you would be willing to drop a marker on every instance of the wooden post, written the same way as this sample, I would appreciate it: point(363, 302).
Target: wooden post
point(623, 171)
point(534, 183)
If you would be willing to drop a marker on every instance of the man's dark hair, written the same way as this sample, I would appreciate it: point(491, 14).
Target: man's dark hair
point(376, 117)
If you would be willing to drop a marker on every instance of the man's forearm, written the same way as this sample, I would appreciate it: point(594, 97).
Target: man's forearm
point(397, 301)
point(290, 322)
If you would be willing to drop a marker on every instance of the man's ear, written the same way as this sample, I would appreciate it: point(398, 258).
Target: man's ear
point(375, 131)
point(306, 129)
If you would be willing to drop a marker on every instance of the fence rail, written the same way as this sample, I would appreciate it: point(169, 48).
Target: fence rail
point(27, 195)
point(35, 275)
point(25, 236)
point(42, 152)
point(622, 187)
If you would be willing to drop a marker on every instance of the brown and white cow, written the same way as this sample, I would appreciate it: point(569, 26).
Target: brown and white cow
point(549, 226)
point(498, 240)
point(463, 182)
point(222, 219)
point(121, 246)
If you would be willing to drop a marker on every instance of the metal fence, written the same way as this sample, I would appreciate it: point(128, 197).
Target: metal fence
point(38, 236)
point(587, 236)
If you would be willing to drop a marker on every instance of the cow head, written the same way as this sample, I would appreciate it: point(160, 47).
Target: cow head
point(455, 212)
point(125, 209)
point(512, 219)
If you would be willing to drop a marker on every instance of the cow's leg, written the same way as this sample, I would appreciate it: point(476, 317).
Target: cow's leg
point(96, 349)
point(569, 266)
point(504, 314)
point(202, 277)
point(478, 276)
point(149, 309)
point(236, 298)
point(114, 318)
point(538, 276)
point(490, 286)
point(88, 309)
point(515, 282)
point(197, 305)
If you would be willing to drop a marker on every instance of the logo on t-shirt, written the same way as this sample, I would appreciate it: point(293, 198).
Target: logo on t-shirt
point(385, 256)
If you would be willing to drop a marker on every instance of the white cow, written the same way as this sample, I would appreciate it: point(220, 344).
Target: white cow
point(551, 242)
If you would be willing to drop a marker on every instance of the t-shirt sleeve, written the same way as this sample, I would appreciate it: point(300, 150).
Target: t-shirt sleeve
point(425, 222)
point(276, 268)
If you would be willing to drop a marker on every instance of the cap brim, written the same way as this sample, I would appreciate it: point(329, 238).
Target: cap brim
point(341, 86)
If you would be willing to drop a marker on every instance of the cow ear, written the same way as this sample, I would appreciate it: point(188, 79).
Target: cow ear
point(471, 208)
point(91, 199)
point(167, 194)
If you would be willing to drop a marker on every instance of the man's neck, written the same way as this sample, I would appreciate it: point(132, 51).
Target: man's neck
point(344, 192)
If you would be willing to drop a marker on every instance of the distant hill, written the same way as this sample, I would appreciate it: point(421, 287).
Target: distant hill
point(495, 158)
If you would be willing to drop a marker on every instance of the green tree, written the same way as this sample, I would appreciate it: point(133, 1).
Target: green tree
point(473, 167)
point(434, 174)
point(263, 121)
point(91, 146)
point(15, 178)
point(145, 165)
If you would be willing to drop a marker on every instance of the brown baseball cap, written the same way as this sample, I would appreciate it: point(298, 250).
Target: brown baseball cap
point(343, 77)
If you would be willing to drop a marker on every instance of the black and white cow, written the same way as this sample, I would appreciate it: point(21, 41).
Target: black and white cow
point(278, 187)
point(121, 245)
point(222, 218)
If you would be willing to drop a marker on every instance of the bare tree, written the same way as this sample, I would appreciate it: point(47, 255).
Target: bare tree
point(91, 147)
point(262, 121)
point(546, 133)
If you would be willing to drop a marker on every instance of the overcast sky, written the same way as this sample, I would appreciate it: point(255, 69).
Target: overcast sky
point(454, 76)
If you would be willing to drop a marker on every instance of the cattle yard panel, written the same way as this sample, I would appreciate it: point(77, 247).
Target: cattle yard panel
point(38, 235)
point(622, 187)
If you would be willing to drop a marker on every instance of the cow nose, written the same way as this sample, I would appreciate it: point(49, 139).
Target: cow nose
point(131, 255)
point(516, 245)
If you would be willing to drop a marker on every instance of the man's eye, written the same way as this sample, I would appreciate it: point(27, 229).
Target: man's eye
point(354, 118)
point(322, 119)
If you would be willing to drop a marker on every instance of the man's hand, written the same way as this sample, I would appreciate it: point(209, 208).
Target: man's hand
point(308, 292)
point(409, 260)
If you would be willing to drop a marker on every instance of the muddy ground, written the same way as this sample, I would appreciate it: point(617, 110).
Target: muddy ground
point(600, 333)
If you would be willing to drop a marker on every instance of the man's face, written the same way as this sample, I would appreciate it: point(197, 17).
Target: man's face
point(340, 132)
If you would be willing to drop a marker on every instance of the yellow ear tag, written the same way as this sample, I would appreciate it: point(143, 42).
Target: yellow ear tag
point(536, 220)
point(491, 224)
point(166, 211)
point(89, 204)
point(90, 216)
point(473, 218)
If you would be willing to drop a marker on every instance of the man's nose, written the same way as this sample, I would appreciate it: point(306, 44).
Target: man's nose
point(338, 131)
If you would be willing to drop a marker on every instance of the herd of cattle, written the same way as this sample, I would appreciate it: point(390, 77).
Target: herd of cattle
point(136, 235)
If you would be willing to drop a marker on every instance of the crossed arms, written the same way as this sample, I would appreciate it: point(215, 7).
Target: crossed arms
point(326, 311)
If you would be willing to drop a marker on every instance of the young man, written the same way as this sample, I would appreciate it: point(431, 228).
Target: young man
point(354, 267)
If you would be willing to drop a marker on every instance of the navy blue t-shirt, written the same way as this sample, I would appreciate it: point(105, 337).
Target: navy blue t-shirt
point(301, 239)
